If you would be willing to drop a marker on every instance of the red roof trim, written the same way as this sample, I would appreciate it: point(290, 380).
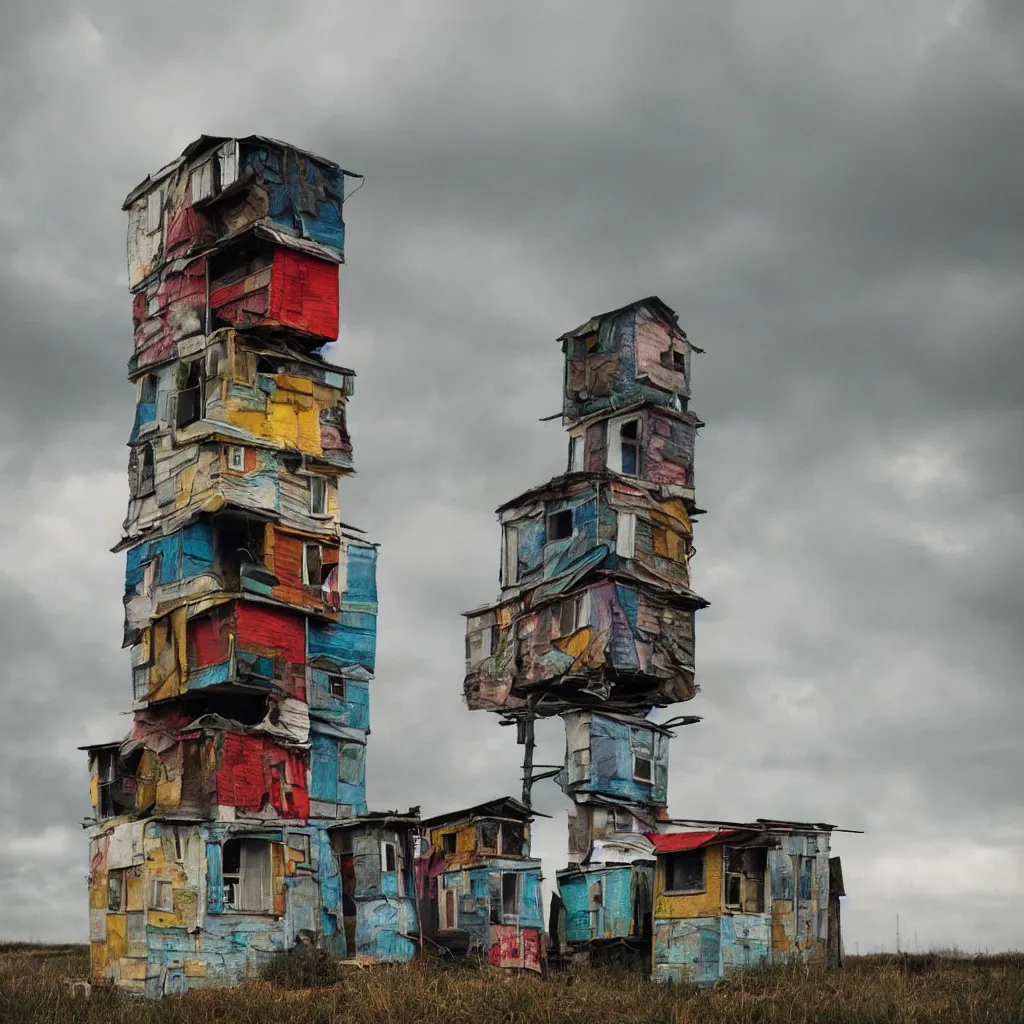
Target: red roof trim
point(674, 842)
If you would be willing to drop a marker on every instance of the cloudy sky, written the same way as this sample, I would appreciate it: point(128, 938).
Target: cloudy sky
point(829, 194)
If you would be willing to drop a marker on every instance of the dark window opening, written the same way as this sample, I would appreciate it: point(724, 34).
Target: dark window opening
point(146, 477)
point(513, 839)
point(509, 893)
point(266, 366)
point(560, 525)
point(312, 564)
point(489, 831)
point(390, 859)
point(448, 844)
point(336, 685)
point(317, 495)
point(629, 435)
point(744, 879)
point(679, 361)
point(189, 399)
point(641, 769)
point(734, 891)
point(684, 871)
point(148, 393)
point(115, 890)
point(240, 547)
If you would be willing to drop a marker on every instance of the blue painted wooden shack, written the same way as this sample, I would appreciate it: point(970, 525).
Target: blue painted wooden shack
point(481, 890)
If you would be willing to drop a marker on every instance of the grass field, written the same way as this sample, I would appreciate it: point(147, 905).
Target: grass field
point(907, 989)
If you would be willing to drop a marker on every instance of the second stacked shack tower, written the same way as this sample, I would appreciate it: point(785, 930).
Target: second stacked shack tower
point(595, 621)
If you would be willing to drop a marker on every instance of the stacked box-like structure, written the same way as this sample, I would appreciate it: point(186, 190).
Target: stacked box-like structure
point(595, 621)
point(250, 607)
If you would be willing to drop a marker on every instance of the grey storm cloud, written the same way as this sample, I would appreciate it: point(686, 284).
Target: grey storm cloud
point(829, 196)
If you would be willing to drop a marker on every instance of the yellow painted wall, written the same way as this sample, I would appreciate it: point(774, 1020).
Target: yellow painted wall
point(709, 903)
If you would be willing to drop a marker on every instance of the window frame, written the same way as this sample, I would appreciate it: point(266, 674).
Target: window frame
point(306, 546)
point(505, 912)
point(317, 484)
point(267, 875)
point(236, 458)
point(445, 837)
point(691, 891)
point(510, 555)
point(155, 211)
point(332, 679)
point(120, 876)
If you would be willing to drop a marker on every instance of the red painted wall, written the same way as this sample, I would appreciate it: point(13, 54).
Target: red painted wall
point(262, 628)
point(304, 293)
point(297, 290)
point(254, 770)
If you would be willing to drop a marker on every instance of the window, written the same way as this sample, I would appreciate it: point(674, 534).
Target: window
point(511, 839)
point(481, 644)
point(161, 895)
point(388, 857)
point(246, 874)
point(116, 890)
point(202, 181)
point(744, 879)
point(147, 391)
point(684, 871)
point(622, 820)
point(106, 766)
point(336, 685)
point(510, 563)
point(227, 164)
point(641, 768)
point(806, 878)
point(318, 495)
point(509, 893)
point(625, 535)
point(560, 525)
point(189, 398)
point(734, 891)
point(576, 454)
point(448, 844)
point(236, 458)
point(629, 437)
point(154, 211)
point(572, 614)
point(312, 564)
point(148, 577)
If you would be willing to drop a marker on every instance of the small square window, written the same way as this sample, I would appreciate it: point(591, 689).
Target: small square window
point(684, 871)
point(236, 458)
point(622, 820)
point(641, 769)
point(161, 895)
point(336, 685)
point(679, 361)
point(448, 844)
point(560, 525)
point(317, 495)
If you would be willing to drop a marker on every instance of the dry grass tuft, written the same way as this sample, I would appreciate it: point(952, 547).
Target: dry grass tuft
point(910, 989)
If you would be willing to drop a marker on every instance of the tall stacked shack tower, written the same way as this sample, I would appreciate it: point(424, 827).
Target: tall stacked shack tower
point(250, 608)
point(595, 621)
